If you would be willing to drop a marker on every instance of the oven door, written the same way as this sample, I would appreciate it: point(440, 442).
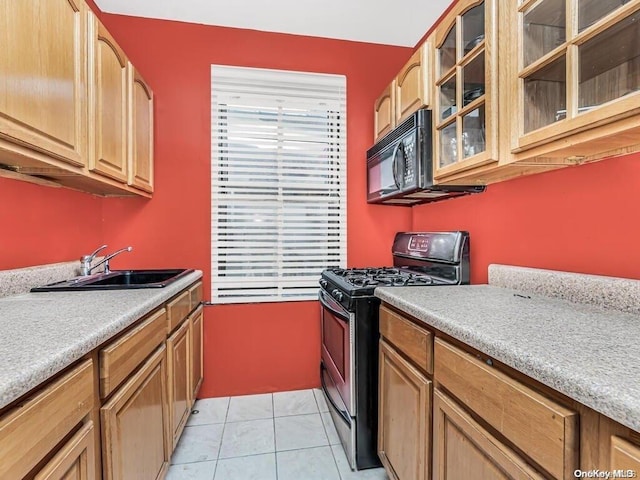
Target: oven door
point(337, 350)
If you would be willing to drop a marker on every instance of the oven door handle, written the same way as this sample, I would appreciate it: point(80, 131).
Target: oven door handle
point(341, 315)
point(343, 414)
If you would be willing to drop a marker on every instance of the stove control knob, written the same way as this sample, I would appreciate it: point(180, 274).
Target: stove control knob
point(323, 283)
point(337, 294)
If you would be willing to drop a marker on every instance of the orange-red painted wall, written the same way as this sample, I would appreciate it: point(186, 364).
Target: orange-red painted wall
point(255, 347)
point(46, 225)
point(578, 219)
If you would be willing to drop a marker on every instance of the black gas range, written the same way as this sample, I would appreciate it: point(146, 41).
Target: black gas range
point(349, 313)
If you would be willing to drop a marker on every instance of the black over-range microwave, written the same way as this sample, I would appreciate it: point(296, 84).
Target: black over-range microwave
point(400, 166)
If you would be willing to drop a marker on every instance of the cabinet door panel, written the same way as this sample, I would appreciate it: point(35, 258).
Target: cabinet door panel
point(133, 421)
point(140, 132)
point(384, 112)
point(75, 461)
point(463, 449)
point(179, 385)
point(196, 352)
point(410, 85)
point(404, 413)
point(108, 104)
point(43, 97)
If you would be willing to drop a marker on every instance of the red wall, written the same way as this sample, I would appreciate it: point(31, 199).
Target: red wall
point(578, 219)
point(46, 225)
point(255, 347)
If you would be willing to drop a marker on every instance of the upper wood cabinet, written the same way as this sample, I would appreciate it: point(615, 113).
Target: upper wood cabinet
point(411, 84)
point(43, 85)
point(466, 88)
point(108, 79)
point(408, 92)
point(384, 115)
point(576, 74)
point(73, 110)
point(140, 132)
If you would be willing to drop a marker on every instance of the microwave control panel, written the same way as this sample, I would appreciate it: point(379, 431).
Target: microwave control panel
point(409, 145)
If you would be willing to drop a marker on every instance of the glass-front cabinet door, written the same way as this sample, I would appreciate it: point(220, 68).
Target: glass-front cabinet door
point(465, 112)
point(578, 66)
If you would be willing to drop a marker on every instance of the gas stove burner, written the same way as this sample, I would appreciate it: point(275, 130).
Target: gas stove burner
point(387, 276)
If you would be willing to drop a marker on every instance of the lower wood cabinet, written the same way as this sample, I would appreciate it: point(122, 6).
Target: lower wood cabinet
point(404, 416)
point(463, 449)
point(180, 393)
point(196, 333)
point(75, 461)
point(31, 431)
point(135, 444)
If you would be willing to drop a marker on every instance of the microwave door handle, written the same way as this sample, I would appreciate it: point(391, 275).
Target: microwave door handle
point(394, 166)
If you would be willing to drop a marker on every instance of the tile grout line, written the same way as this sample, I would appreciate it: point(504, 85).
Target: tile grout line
point(275, 446)
point(224, 425)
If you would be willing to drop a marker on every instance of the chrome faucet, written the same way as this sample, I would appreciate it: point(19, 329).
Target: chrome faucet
point(86, 260)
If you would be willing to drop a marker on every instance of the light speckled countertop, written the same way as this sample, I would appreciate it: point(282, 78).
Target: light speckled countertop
point(586, 352)
point(42, 333)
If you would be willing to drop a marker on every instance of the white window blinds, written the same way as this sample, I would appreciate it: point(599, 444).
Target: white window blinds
point(278, 182)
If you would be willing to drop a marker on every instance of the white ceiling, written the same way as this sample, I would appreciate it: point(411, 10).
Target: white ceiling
point(388, 22)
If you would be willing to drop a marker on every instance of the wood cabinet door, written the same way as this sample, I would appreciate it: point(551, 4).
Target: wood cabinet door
point(43, 85)
point(75, 461)
point(411, 85)
point(107, 103)
point(463, 449)
point(196, 329)
point(179, 349)
point(403, 417)
point(140, 132)
point(134, 420)
point(624, 456)
point(384, 113)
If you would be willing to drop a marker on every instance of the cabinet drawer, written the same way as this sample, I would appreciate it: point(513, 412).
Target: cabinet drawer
point(32, 429)
point(624, 455)
point(415, 342)
point(546, 431)
point(178, 309)
point(196, 295)
point(122, 357)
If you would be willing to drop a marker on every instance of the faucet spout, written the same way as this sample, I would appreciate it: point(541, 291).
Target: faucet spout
point(106, 259)
point(85, 260)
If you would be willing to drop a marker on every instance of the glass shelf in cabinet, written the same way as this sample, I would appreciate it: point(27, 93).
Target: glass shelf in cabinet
point(472, 28)
point(543, 29)
point(473, 132)
point(448, 103)
point(545, 94)
point(473, 79)
point(448, 52)
point(590, 11)
point(448, 145)
point(609, 63)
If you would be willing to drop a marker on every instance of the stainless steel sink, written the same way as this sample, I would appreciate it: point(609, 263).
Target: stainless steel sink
point(117, 280)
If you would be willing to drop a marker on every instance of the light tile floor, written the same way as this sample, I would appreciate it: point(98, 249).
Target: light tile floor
point(280, 436)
